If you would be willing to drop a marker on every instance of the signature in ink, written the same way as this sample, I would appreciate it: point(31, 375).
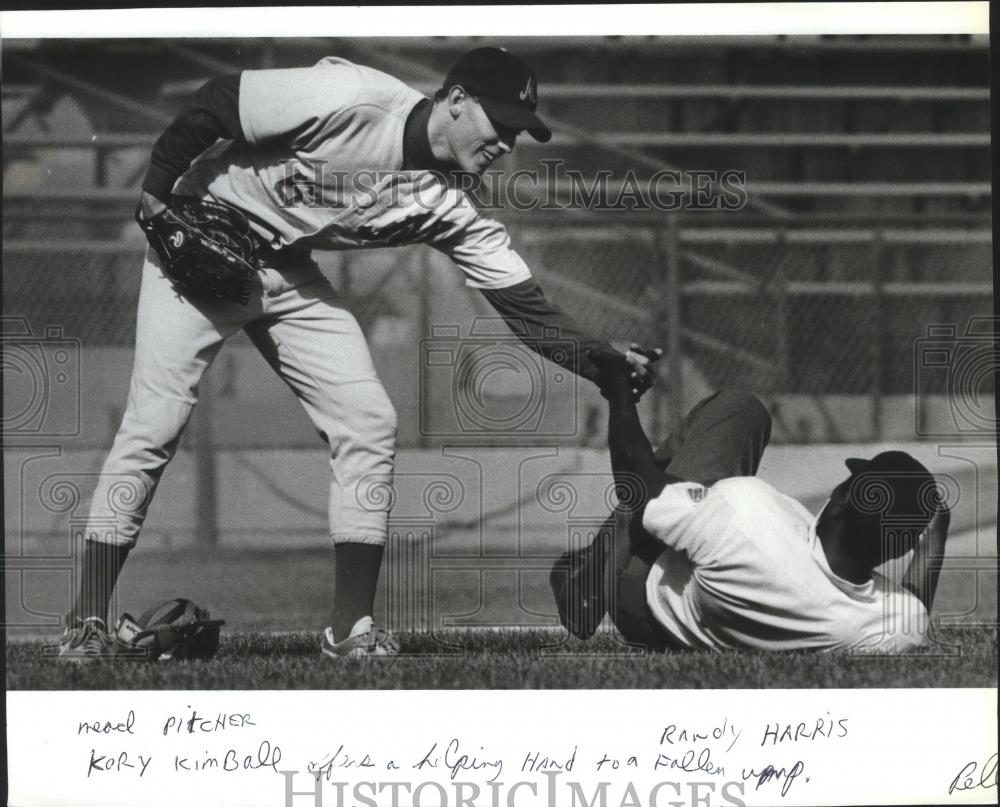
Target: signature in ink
point(973, 775)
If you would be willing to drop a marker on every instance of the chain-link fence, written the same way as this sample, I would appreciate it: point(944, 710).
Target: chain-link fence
point(823, 321)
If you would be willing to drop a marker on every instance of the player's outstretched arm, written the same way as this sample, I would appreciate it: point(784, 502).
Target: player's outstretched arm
point(922, 576)
point(637, 478)
point(548, 330)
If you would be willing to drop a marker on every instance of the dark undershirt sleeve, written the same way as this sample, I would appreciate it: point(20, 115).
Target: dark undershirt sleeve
point(637, 476)
point(213, 114)
point(545, 328)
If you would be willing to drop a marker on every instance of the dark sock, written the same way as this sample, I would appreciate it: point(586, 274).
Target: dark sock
point(355, 578)
point(102, 563)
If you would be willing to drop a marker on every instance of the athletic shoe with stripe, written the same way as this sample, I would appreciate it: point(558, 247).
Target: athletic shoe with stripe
point(365, 639)
point(89, 639)
point(86, 640)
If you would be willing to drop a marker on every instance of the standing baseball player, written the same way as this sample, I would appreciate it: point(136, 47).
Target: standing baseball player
point(702, 555)
point(334, 156)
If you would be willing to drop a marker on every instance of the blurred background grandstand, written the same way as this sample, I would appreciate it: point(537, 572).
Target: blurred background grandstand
point(859, 255)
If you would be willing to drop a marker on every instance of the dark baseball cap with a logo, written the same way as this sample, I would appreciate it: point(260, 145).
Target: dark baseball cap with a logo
point(506, 88)
point(915, 493)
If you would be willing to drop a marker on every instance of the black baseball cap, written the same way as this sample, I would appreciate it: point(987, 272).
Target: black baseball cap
point(914, 488)
point(506, 88)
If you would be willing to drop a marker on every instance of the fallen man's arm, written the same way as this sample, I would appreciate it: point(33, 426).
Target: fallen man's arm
point(922, 576)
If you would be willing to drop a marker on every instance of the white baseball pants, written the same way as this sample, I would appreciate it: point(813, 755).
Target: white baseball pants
point(298, 323)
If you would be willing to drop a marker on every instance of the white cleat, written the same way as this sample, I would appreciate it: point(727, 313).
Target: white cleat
point(365, 639)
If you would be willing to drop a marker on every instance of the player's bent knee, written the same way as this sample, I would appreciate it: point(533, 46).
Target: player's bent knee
point(383, 433)
point(389, 420)
point(377, 419)
point(153, 429)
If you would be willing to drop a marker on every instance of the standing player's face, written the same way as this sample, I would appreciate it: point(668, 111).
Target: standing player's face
point(476, 142)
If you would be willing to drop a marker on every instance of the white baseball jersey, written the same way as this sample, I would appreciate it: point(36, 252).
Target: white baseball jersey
point(743, 568)
point(322, 169)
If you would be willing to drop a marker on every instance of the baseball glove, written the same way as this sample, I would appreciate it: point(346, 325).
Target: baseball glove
point(207, 249)
point(175, 629)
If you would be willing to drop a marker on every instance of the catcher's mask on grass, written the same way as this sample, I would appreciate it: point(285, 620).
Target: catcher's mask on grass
point(175, 629)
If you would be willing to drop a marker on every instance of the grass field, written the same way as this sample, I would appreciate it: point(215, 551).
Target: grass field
point(483, 659)
point(269, 599)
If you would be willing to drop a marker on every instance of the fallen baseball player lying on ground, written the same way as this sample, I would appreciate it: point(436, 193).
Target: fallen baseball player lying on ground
point(700, 554)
